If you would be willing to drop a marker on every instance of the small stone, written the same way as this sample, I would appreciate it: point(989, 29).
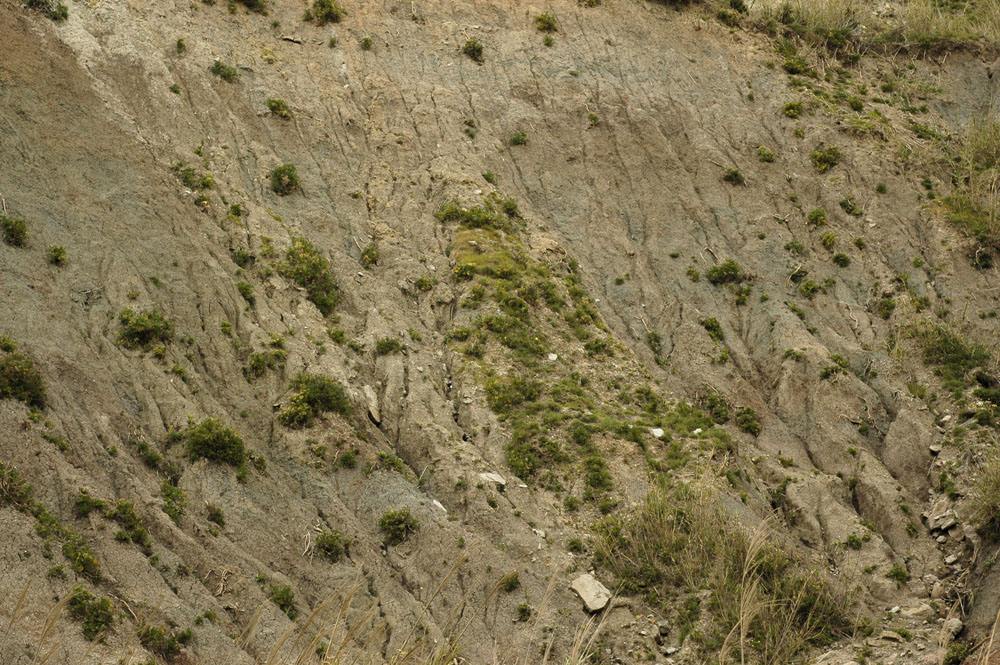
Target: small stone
point(935, 448)
point(890, 635)
point(937, 591)
point(553, 357)
point(657, 432)
point(595, 596)
point(663, 627)
point(942, 539)
point(950, 559)
point(670, 651)
point(696, 432)
point(952, 626)
point(894, 610)
point(371, 400)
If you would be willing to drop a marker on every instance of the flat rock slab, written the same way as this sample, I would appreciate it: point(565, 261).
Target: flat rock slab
point(595, 596)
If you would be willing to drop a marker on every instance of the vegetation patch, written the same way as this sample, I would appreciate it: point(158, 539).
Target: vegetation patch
point(21, 380)
point(285, 179)
point(215, 442)
point(15, 230)
point(679, 543)
point(95, 615)
point(313, 395)
point(397, 526)
point(142, 329)
point(305, 266)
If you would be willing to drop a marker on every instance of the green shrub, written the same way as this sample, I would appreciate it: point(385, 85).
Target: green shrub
point(370, 255)
point(325, 11)
point(279, 107)
point(826, 158)
point(332, 545)
point(510, 582)
point(56, 254)
point(143, 329)
point(518, 138)
point(305, 266)
point(174, 501)
point(215, 514)
point(951, 355)
point(313, 395)
point(54, 9)
point(20, 380)
point(283, 596)
point(284, 179)
point(748, 421)
point(898, 574)
point(765, 154)
point(473, 48)
point(133, 529)
point(397, 526)
point(162, 641)
point(367, 43)
point(81, 558)
point(792, 110)
point(505, 393)
point(734, 177)
point(213, 441)
point(246, 290)
point(546, 22)
point(727, 272)
point(85, 504)
point(227, 73)
point(388, 345)
point(257, 6)
point(95, 615)
point(714, 328)
point(842, 260)
point(15, 230)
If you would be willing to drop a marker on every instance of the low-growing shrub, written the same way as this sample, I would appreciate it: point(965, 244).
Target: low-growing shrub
point(325, 11)
point(56, 255)
point(388, 345)
point(727, 272)
point(227, 73)
point(332, 545)
point(279, 107)
point(748, 421)
point(20, 380)
point(313, 396)
point(473, 48)
point(397, 526)
point(15, 230)
point(825, 158)
point(284, 179)
point(213, 441)
point(164, 642)
point(305, 266)
point(95, 615)
point(141, 329)
point(546, 22)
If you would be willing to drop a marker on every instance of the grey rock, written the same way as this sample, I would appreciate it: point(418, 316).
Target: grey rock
point(595, 596)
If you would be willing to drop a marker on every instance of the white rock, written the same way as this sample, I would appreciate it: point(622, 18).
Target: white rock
point(950, 559)
point(952, 626)
point(697, 431)
point(553, 357)
point(440, 505)
point(657, 432)
point(495, 478)
point(595, 596)
point(371, 399)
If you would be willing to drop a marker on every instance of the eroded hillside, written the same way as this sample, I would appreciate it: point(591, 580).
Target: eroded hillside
point(357, 335)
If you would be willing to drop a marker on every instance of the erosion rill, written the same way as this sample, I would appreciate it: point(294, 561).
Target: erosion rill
point(443, 332)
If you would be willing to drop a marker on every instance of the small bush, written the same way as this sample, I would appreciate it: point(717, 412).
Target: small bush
point(546, 22)
point(279, 107)
point(174, 501)
point(81, 558)
point(227, 73)
point(505, 393)
point(305, 266)
point(313, 395)
point(95, 615)
point(213, 441)
point(388, 345)
point(56, 254)
point(284, 179)
point(748, 421)
point(765, 154)
point(816, 217)
point(952, 356)
point(842, 260)
point(143, 329)
point(332, 545)
point(510, 582)
point(15, 231)
point(473, 48)
point(162, 641)
point(734, 177)
point(215, 514)
point(898, 574)
point(283, 596)
point(518, 138)
point(397, 526)
point(367, 43)
point(54, 9)
point(826, 158)
point(325, 11)
point(85, 504)
point(21, 381)
point(714, 328)
point(792, 110)
point(727, 272)
point(370, 255)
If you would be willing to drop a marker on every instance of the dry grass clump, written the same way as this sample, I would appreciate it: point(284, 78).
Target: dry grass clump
point(760, 601)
